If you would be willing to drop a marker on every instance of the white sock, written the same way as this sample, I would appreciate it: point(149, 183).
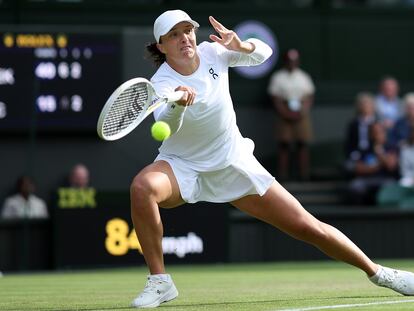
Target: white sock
point(375, 278)
point(162, 276)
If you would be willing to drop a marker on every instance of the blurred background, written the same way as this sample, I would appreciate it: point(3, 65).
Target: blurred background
point(61, 59)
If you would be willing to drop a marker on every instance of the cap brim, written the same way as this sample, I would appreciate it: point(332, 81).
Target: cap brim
point(168, 29)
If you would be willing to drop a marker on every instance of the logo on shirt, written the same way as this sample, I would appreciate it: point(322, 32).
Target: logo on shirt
point(213, 74)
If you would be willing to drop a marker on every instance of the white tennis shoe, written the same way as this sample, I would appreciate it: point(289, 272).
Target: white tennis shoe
point(398, 280)
point(159, 288)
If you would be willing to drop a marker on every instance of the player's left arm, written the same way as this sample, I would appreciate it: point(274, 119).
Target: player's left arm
point(246, 53)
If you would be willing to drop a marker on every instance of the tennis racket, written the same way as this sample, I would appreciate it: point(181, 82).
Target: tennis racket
point(128, 106)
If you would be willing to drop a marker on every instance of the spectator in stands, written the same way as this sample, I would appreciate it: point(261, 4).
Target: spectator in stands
point(292, 91)
point(375, 167)
point(388, 103)
point(79, 176)
point(402, 128)
point(357, 139)
point(407, 160)
point(24, 203)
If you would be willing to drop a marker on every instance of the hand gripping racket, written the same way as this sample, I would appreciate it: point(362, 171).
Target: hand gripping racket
point(128, 106)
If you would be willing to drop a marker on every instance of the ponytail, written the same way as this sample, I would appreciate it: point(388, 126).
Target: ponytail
point(155, 54)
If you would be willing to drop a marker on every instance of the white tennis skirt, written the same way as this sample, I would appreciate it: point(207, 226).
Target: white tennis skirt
point(237, 180)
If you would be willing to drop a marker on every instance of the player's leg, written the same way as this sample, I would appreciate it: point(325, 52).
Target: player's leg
point(154, 186)
point(280, 209)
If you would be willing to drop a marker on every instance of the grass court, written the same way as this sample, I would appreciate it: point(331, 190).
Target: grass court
point(301, 286)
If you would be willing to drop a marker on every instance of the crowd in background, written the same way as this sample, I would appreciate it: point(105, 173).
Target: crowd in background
point(378, 142)
point(379, 147)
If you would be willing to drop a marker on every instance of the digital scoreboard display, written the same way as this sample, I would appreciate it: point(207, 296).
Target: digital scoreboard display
point(56, 81)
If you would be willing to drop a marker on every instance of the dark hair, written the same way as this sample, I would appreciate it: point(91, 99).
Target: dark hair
point(155, 54)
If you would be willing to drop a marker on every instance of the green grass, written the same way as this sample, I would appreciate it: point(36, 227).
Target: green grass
point(267, 286)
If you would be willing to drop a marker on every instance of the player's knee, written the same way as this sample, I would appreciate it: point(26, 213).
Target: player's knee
point(141, 188)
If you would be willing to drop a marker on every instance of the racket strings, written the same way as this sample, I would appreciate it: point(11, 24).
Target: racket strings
point(126, 109)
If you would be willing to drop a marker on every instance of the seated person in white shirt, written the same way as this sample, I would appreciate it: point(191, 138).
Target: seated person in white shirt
point(24, 203)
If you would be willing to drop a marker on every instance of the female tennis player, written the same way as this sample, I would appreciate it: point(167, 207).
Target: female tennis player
point(207, 159)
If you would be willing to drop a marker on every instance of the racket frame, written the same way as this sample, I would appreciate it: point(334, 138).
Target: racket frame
point(153, 102)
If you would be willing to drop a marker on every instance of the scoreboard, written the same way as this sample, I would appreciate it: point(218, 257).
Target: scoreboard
point(56, 81)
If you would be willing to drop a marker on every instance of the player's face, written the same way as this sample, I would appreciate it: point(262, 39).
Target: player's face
point(179, 42)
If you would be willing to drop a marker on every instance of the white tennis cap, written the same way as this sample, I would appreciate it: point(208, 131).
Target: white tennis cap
point(168, 20)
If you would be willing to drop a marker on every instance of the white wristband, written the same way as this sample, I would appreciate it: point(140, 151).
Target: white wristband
point(173, 114)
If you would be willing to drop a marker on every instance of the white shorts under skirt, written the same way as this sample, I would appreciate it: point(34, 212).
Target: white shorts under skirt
point(245, 177)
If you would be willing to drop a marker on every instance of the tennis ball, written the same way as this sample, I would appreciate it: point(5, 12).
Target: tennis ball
point(160, 130)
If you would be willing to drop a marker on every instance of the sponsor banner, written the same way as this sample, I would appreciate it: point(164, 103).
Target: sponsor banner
point(104, 234)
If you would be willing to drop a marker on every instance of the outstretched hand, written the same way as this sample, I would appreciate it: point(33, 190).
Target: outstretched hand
point(228, 38)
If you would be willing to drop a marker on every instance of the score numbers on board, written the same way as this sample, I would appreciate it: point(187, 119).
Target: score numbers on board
point(61, 77)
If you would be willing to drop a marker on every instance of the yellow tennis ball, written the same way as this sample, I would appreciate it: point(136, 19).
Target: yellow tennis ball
point(160, 130)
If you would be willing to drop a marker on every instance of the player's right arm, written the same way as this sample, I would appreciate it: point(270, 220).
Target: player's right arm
point(173, 113)
point(188, 97)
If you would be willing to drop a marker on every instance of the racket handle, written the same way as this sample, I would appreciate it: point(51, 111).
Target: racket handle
point(175, 96)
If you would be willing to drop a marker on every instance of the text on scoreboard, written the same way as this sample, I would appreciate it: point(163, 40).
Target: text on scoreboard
point(56, 81)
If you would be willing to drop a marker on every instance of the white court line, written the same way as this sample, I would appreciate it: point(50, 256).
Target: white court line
point(389, 302)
